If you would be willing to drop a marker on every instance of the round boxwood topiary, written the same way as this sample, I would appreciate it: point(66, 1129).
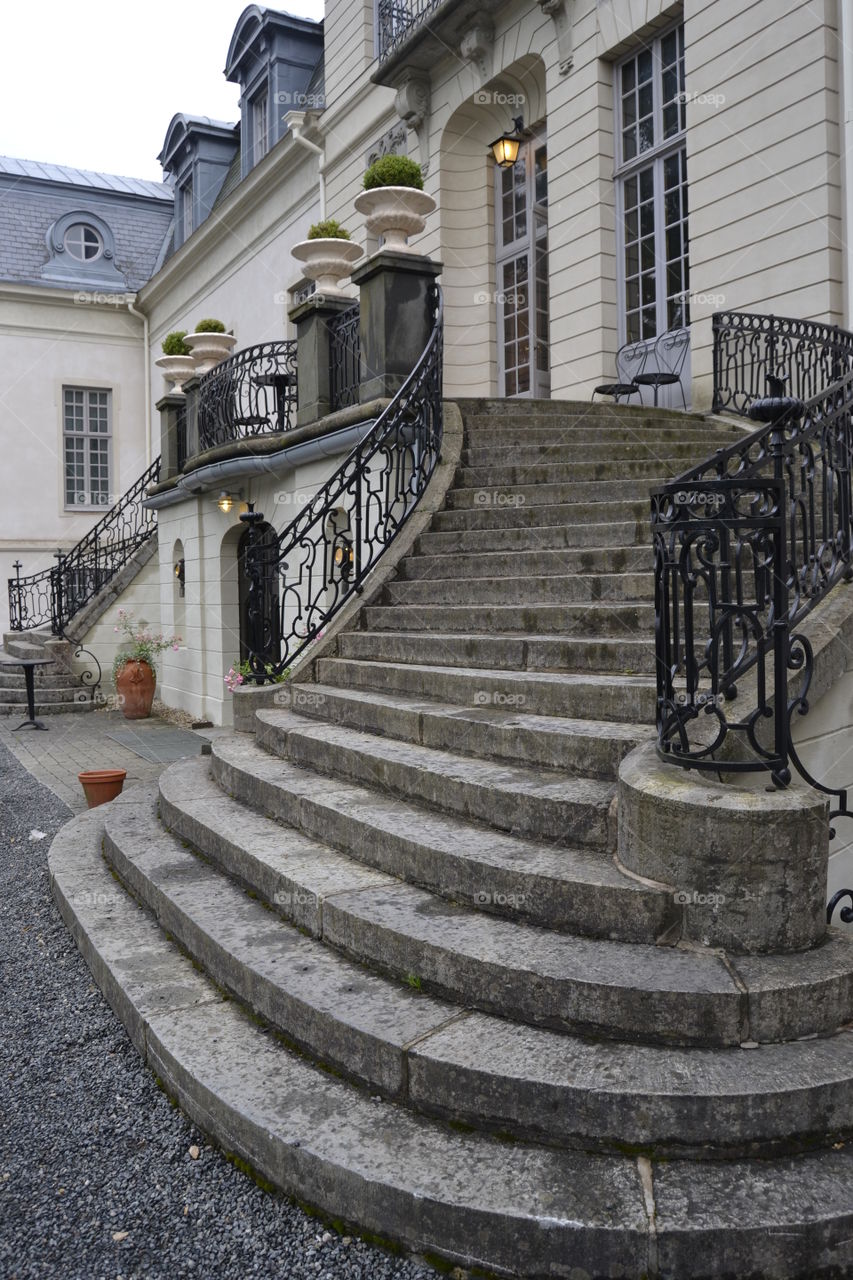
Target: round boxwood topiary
point(328, 229)
point(209, 326)
point(394, 171)
point(173, 344)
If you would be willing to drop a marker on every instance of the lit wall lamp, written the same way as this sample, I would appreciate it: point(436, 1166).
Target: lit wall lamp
point(226, 501)
point(344, 558)
point(505, 148)
point(180, 575)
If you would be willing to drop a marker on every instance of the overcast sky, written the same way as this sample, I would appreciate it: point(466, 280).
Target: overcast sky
point(96, 85)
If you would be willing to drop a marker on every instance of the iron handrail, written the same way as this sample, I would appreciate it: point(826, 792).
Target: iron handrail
point(252, 393)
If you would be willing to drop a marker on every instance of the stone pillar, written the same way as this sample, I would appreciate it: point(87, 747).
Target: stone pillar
point(394, 323)
point(747, 866)
point(169, 408)
point(311, 319)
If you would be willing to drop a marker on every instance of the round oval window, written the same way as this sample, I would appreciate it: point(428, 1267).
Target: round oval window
point(83, 242)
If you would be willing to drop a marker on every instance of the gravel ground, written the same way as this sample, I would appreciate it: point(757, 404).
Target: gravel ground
point(97, 1179)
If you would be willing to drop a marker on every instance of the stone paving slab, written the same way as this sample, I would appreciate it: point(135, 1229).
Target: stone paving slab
point(101, 740)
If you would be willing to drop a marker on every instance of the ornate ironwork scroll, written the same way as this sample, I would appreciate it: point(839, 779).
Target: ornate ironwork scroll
point(344, 358)
point(251, 393)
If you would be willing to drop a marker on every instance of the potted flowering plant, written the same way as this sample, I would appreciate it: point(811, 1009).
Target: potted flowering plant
point(176, 361)
point(394, 202)
point(209, 344)
point(327, 255)
point(134, 672)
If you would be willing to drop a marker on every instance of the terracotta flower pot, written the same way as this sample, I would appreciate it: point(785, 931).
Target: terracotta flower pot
point(135, 686)
point(101, 785)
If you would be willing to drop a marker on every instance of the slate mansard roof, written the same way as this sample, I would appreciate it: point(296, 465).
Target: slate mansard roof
point(35, 196)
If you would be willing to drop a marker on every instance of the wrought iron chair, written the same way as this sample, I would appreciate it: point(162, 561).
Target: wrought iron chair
point(670, 352)
point(630, 361)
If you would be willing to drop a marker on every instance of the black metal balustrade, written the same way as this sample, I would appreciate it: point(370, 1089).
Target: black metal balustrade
point(52, 597)
point(396, 18)
point(251, 393)
point(344, 358)
point(747, 543)
point(327, 551)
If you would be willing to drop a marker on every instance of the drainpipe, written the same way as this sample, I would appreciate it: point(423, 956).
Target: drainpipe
point(845, 43)
point(140, 315)
point(295, 121)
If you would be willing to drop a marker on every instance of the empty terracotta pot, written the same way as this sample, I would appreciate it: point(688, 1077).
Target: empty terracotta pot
point(101, 785)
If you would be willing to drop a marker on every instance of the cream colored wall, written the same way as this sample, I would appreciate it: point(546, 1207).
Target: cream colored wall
point(49, 341)
point(763, 166)
point(824, 742)
point(141, 599)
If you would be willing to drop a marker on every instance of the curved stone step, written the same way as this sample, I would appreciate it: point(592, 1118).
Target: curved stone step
point(565, 888)
point(512, 652)
point(510, 474)
point(567, 587)
point(12, 677)
point(593, 618)
point(534, 559)
point(511, 497)
point(80, 702)
point(415, 1180)
point(499, 514)
point(648, 446)
point(489, 730)
point(616, 534)
point(431, 1056)
point(629, 699)
point(550, 805)
point(590, 986)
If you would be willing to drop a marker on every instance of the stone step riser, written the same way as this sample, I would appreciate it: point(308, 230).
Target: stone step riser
point(508, 476)
point(581, 451)
point(537, 561)
point(518, 811)
point(503, 497)
point(631, 701)
point(52, 680)
point(517, 516)
point(487, 732)
point(48, 708)
point(46, 695)
point(615, 535)
point(522, 592)
point(612, 622)
point(502, 653)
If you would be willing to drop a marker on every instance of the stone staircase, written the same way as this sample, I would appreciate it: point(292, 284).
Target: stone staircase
point(57, 690)
point(385, 949)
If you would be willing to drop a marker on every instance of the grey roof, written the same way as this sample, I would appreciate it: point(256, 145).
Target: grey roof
point(33, 196)
point(85, 178)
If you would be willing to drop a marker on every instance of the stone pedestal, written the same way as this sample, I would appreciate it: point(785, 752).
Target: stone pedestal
point(311, 319)
point(394, 319)
point(747, 867)
point(170, 408)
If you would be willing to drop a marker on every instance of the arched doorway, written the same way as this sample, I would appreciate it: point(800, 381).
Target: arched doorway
point(260, 622)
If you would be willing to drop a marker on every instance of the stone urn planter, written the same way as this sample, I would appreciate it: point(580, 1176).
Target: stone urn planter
point(327, 261)
point(395, 213)
point(135, 686)
point(208, 349)
point(101, 785)
point(177, 370)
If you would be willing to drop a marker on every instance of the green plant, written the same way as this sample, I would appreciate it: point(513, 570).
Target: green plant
point(140, 644)
point(394, 171)
point(173, 344)
point(328, 229)
point(241, 671)
point(414, 981)
point(209, 326)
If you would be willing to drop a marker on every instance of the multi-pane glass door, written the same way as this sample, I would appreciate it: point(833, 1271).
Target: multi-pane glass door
point(521, 238)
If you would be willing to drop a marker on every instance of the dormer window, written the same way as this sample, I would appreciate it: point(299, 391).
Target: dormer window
point(260, 126)
point(83, 242)
point(187, 208)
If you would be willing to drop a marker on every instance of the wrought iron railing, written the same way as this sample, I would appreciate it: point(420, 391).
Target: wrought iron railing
point(396, 18)
point(327, 551)
point(746, 544)
point(52, 597)
point(344, 358)
point(251, 393)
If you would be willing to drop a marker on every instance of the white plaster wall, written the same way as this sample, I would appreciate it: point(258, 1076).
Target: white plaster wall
point(141, 599)
point(50, 341)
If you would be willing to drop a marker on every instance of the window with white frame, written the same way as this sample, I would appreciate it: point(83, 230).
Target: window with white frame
point(651, 188)
point(86, 427)
point(187, 209)
point(260, 128)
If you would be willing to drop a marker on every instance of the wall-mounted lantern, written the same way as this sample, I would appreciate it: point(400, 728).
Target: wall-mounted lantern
point(505, 148)
point(180, 576)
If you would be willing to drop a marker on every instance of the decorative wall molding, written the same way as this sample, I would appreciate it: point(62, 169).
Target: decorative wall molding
point(413, 106)
point(561, 13)
point(477, 45)
point(392, 143)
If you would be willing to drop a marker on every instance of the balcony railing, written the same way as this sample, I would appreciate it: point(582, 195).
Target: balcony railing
point(252, 393)
point(344, 358)
point(397, 18)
